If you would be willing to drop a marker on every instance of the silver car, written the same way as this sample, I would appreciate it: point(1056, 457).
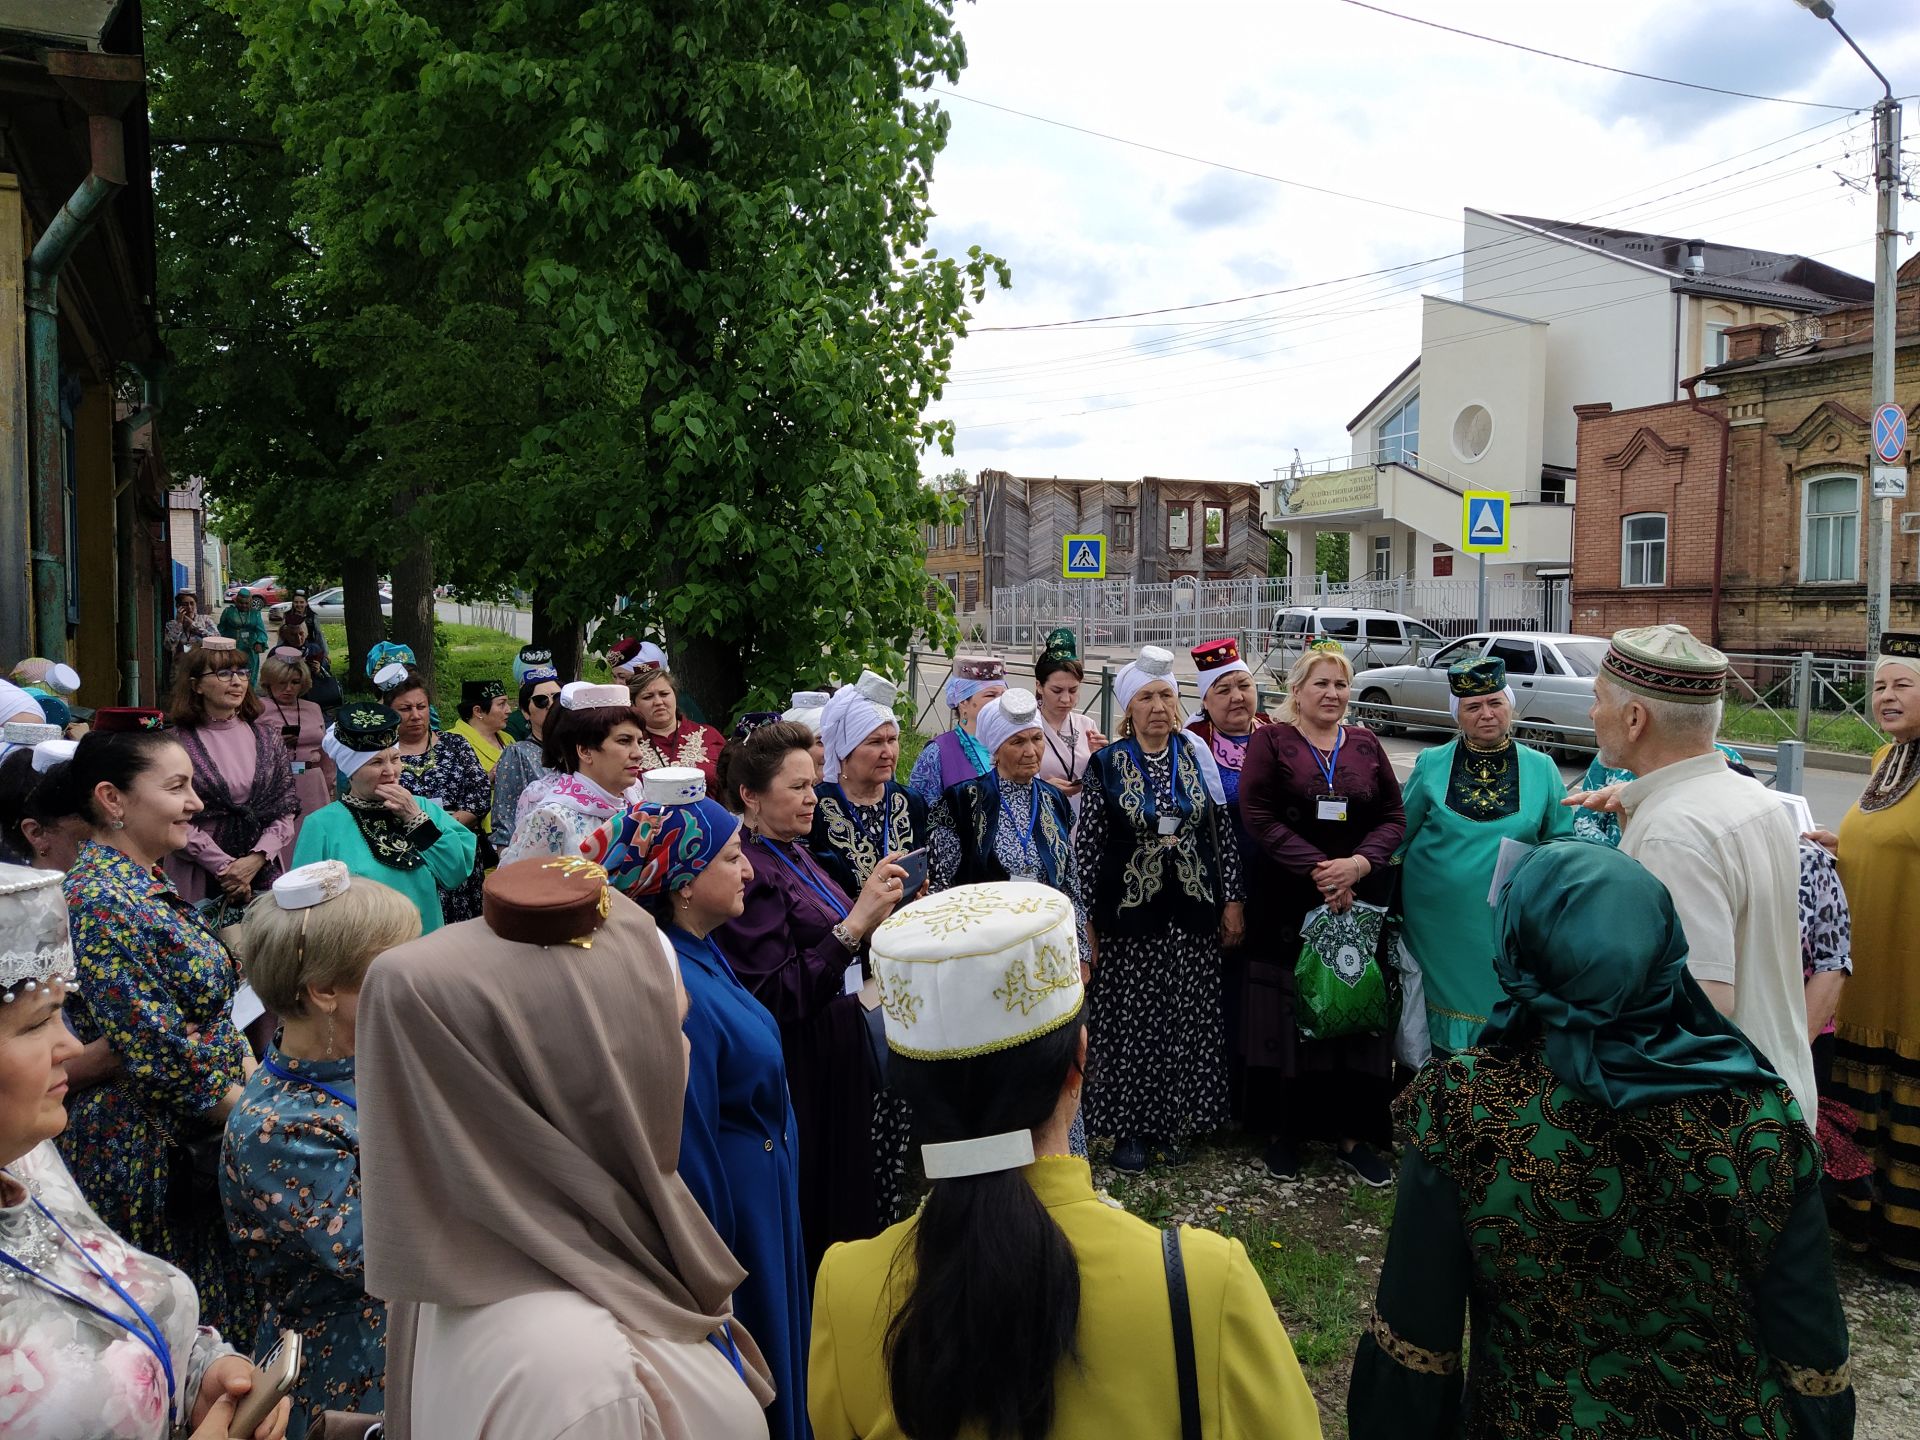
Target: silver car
point(1551, 676)
point(330, 605)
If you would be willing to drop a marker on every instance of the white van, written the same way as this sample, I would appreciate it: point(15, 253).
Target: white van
point(1371, 638)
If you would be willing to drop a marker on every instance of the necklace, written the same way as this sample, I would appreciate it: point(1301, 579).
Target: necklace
point(37, 1241)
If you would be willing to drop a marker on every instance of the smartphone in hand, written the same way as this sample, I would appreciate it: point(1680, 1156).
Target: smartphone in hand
point(273, 1380)
point(914, 862)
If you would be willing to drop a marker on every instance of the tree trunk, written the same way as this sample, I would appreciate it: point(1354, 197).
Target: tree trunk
point(413, 601)
point(366, 626)
point(711, 672)
point(553, 633)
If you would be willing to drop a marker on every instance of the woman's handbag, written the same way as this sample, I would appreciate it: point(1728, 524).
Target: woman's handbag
point(1340, 985)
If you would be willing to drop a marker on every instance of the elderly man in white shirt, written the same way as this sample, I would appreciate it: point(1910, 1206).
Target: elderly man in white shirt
point(1724, 847)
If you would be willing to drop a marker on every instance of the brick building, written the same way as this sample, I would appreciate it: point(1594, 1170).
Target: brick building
point(1742, 515)
point(955, 557)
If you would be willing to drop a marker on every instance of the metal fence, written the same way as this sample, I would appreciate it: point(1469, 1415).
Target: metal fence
point(1123, 614)
point(1817, 700)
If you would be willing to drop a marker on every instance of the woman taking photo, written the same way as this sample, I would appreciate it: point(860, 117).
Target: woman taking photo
point(862, 814)
point(444, 769)
point(547, 1273)
point(101, 1339)
point(249, 808)
point(1070, 737)
point(1019, 1302)
point(379, 829)
point(592, 753)
point(679, 855)
point(521, 763)
point(1160, 877)
point(670, 737)
point(290, 1161)
point(1321, 801)
point(294, 723)
point(158, 986)
point(1617, 1191)
point(956, 755)
point(796, 945)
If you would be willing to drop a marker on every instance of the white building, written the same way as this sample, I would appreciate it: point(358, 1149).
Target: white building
point(1550, 315)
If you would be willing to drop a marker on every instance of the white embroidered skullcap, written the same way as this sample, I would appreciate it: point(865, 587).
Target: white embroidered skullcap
point(673, 785)
point(49, 753)
point(852, 714)
point(36, 944)
point(26, 732)
point(61, 679)
point(805, 707)
point(581, 696)
point(388, 676)
point(1153, 664)
point(1003, 718)
point(310, 885)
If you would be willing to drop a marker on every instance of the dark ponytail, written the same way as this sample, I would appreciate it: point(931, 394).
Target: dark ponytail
point(116, 758)
point(994, 1306)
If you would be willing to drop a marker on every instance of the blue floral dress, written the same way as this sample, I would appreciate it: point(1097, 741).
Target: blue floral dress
point(290, 1180)
point(149, 968)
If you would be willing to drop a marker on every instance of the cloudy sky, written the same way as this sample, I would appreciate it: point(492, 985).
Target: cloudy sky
point(1413, 124)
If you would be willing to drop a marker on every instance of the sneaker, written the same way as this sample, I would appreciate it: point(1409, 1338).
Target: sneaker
point(1367, 1163)
point(1129, 1154)
point(1282, 1160)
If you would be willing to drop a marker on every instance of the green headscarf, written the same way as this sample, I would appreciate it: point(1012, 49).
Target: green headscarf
point(1590, 952)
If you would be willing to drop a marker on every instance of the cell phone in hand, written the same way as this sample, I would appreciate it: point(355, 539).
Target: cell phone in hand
point(914, 862)
point(273, 1380)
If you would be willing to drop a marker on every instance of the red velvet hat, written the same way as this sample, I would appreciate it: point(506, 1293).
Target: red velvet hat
point(118, 719)
point(1213, 654)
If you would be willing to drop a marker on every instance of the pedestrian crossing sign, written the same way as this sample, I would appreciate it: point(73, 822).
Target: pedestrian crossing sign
point(1484, 522)
point(1083, 557)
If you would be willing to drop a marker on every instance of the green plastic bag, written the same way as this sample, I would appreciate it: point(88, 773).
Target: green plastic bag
point(1340, 988)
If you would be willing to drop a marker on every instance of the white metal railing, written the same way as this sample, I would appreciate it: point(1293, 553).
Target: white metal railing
point(1408, 459)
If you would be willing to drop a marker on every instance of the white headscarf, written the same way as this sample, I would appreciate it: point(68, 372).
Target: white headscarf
point(1453, 701)
point(1207, 677)
point(345, 759)
point(1157, 664)
point(852, 714)
point(1004, 717)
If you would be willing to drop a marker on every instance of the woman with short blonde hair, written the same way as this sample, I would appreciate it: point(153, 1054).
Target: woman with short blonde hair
point(1301, 671)
point(289, 719)
point(290, 1172)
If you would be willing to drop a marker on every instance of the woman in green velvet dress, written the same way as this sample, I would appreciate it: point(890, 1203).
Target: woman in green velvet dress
point(1616, 1189)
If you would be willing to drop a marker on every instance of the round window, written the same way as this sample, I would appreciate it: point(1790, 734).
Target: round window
point(1472, 432)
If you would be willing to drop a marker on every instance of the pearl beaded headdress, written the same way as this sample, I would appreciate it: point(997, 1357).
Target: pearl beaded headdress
point(36, 947)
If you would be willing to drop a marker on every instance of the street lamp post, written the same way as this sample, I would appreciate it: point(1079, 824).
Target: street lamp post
point(1886, 175)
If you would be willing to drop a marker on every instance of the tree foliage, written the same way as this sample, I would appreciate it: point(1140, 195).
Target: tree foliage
point(635, 300)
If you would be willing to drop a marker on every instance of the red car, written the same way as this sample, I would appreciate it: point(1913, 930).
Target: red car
point(267, 587)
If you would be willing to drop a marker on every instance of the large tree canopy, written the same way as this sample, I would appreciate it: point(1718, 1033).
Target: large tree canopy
point(640, 300)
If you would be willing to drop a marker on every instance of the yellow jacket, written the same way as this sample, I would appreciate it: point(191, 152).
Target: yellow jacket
point(1124, 1387)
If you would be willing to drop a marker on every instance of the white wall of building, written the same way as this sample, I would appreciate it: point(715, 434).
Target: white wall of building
point(1612, 332)
point(1478, 359)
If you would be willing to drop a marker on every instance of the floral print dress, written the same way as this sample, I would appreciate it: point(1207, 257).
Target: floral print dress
point(149, 968)
point(290, 1180)
point(448, 771)
point(65, 1371)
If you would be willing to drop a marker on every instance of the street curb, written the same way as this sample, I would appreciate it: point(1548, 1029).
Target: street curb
point(1840, 760)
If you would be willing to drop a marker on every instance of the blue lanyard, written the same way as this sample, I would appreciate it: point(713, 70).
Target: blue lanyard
point(274, 1067)
point(729, 1349)
point(1150, 807)
point(142, 1327)
point(859, 823)
point(1328, 763)
point(803, 874)
point(976, 752)
point(1027, 847)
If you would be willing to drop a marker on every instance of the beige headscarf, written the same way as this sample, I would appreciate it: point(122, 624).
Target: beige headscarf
point(520, 1131)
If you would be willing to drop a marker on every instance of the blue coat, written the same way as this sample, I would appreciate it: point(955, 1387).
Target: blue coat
point(739, 1157)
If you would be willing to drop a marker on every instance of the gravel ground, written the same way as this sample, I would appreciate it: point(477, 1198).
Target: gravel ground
point(1319, 1244)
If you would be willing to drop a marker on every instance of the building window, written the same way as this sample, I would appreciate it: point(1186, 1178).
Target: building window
point(1643, 550)
point(1382, 557)
point(1214, 526)
point(933, 536)
point(973, 526)
point(1179, 529)
point(1830, 530)
point(971, 593)
point(953, 535)
point(1713, 351)
point(1400, 433)
point(1123, 530)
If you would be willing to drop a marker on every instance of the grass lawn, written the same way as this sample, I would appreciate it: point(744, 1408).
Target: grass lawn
point(1826, 729)
point(467, 652)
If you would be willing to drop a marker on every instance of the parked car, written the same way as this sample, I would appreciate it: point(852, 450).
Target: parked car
point(267, 587)
point(1370, 637)
point(330, 605)
point(1551, 675)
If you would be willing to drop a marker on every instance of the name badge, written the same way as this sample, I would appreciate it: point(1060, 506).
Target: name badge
point(298, 767)
point(1333, 807)
point(1169, 826)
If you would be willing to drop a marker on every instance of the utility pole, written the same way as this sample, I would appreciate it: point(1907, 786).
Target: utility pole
point(1887, 182)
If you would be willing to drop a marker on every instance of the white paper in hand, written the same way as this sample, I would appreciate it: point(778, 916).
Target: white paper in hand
point(1798, 808)
point(247, 1007)
point(1512, 852)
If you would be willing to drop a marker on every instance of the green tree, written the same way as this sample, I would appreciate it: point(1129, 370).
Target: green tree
point(1330, 553)
point(695, 238)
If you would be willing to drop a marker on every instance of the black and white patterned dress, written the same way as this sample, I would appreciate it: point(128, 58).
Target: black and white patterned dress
point(1157, 1063)
point(448, 771)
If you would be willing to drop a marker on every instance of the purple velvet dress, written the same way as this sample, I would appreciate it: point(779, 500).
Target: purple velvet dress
point(782, 948)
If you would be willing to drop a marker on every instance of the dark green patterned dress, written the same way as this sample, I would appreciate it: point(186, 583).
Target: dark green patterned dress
point(1659, 1272)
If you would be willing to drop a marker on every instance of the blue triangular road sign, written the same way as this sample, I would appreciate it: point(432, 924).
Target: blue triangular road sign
point(1486, 521)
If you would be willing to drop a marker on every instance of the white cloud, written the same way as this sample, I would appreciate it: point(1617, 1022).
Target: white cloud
point(1337, 97)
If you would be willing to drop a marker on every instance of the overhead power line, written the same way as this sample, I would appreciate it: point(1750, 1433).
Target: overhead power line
point(1594, 64)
